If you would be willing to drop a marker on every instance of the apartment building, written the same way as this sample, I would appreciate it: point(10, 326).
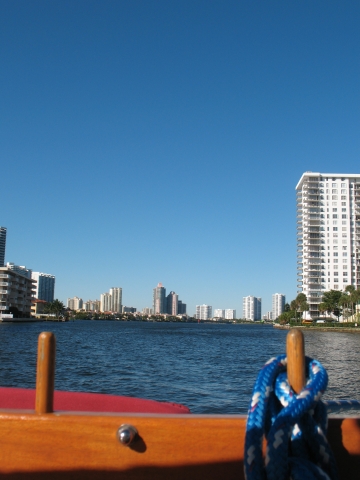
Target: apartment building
point(2, 245)
point(252, 308)
point(328, 234)
point(45, 286)
point(75, 303)
point(230, 314)
point(278, 305)
point(219, 313)
point(16, 293)
point(203, 312)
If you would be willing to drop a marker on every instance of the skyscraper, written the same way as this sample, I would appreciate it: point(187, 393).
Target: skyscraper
point(278, 305)
point(75, 303)
point(172, 303)
point(45, 286)
point(159, 299)
point(252, 308)
point(2, 245)
point(328, 234)
point(116, 299)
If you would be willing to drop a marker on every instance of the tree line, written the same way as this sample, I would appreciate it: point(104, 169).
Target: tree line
point(333, 302)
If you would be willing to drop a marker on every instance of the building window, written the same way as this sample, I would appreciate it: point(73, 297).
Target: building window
point(334, 229)
point(343, 209)
point(335, 267)
point(344, 254)
point(343, 222)
point(344, 215)
point(344, 248)
point(334, 185)
point(336, 280)
point(334, 197)
point(335, 215)
point(334, 209)
point(343, 191)
point(343, 204)
point(345, 274)
point(336, 287)
point(343, 185)
point(336, 273)
point(343, 197)
point(335, 254)
point(335, 261)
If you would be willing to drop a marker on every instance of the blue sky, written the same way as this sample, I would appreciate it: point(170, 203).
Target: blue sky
point(161, 141)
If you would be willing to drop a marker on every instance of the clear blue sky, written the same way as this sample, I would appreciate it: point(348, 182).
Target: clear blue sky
point(161, 141)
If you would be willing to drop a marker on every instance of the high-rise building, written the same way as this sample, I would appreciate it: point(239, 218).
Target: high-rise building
point(19, 269)
point(172, 303)
point(75, 303)
point(203, 312)
point(328, 234)
point(116, 299)
point(219, 313)
point(159, 299)
point(278, 305)
point(45, 286)
point(16, 291)
point(2, 245)
point(181, 308)
point(230, 314)
point(252, 308)
point(105, 302)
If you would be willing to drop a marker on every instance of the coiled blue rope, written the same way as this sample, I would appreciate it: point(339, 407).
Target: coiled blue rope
point(294, 426)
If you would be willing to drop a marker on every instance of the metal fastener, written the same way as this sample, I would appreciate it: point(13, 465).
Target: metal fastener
point(126, 434)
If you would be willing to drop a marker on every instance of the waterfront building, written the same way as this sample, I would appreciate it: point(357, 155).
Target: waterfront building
point(147, 311)
point(159, 299)
point(219, 313)
point(16, 292)
point(116, 299)
point(129, 309)
point(91, 306)
point(75, 303)
point(278, 305)
point(252, 308)
point(19, 269)
point(105, 302)
point(230, 314)
point(181, 308)
point(203, 312)
point(172, 301)
point(328, 235)
point(2, 245)
point(45, 286)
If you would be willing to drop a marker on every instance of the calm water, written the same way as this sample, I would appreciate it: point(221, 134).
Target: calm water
point(209, 368)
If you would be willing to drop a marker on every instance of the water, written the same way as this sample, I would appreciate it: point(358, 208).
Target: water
point(211, 368)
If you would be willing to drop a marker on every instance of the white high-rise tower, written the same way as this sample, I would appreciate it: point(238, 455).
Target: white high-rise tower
point(328, 234)
point(278, 305)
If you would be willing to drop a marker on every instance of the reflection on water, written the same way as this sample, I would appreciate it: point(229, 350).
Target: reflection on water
point(209, 368)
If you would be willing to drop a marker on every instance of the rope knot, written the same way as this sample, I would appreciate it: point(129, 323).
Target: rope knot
point(294, 426)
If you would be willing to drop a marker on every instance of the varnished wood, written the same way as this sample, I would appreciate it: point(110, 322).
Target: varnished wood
point(45, 373)
point(75, 446)
point(295, 352)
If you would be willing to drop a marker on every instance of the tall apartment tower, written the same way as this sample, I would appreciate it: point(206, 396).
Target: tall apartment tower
point(2, 245)
point(75, 303)
point(328, 234)
point(159, 299)
point(278, 305)
point(116, 299)
point(252, 308)
point(172, 303)
point(45, 286)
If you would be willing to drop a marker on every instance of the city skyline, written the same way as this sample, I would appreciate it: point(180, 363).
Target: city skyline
point(147, 141)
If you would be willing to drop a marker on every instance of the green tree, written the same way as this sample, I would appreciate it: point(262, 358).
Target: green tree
point(331, 299)
point(299, 304)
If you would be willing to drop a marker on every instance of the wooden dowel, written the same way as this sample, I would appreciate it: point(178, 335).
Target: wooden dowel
point(295, 352)
point(45, 373)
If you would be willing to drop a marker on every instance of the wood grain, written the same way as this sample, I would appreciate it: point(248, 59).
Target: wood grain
point(295, 353)
point(45, 373)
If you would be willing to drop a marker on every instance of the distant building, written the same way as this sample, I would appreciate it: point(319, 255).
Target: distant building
point(252, 308)
point(91, 306)
point(105, 302)
point(159, 299)
point(129, 309)
point(116, 299)
point(19, 269)
point(203, 312)
point(75, 303)
point(2, 245)
point(172, 301)
point(181, 308)
point(219, 313)
point(278, 305)
point(37, 307)
point(16, 293)
point(147, 311)
point(230, 314)
point(45, 286)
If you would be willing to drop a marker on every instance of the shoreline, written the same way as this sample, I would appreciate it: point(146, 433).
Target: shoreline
point(320, 329)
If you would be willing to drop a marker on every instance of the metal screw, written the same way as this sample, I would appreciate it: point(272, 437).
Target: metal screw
point(126, 434)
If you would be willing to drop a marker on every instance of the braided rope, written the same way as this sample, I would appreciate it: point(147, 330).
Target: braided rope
point(294, 426)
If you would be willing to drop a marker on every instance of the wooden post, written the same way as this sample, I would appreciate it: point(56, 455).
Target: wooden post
point(295, 352)
point(45, 373)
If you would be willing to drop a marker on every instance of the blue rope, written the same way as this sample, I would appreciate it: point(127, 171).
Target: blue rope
point(294, 426)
